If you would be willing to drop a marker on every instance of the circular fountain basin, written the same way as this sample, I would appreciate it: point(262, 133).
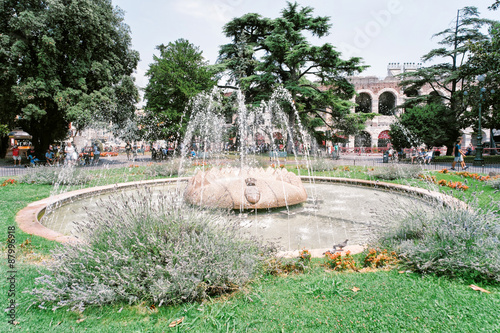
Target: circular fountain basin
point(331, 214)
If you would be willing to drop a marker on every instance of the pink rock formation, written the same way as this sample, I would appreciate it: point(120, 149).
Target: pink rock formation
point(251, 188)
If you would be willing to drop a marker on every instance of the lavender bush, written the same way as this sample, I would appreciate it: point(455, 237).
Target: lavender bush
point(156, 250)
point(393, 172)
point(165, 169)
point(495, 183)
point(323, 164)
point(48, 175)
point(453, 242)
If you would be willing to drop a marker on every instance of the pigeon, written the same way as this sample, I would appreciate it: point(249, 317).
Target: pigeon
point(340, 246)
point(337, 247)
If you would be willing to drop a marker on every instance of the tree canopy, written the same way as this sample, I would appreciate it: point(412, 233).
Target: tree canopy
point(178, 74)
point(484, 60)
point(447, 78)
point(266, 52)
point(64, 61)
point(423, 124)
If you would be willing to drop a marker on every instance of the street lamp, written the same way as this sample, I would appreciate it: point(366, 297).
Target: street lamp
point(479, 160)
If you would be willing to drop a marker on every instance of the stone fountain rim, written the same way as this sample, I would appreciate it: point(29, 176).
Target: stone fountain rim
point(28, 218)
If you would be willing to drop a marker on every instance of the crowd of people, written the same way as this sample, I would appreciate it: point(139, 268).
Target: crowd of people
point(57, 155)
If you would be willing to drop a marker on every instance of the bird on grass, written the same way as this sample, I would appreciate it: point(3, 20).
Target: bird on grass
point(340, 246)
point(337, 247)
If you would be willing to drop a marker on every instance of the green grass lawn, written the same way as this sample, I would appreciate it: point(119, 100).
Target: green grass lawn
point(319, 300)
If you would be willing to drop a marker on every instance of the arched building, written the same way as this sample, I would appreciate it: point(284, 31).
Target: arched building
point(382, 96)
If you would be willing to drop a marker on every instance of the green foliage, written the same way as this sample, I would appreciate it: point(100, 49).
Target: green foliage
point(393, 172)
point(448, 76)
point(69, 61)
point(323, 164)
point(386, 301)
point(454, 242)
point(484, 60)
point(339, 262)
point(154, 250)
point(283, 266)
point(430, 124)
point(495, 183)
point(265, 52)
point(48, 175)
point(166, 169)
point(4, 130)
point(178, 74)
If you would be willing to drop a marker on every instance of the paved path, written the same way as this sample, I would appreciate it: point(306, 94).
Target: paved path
point(350, 159)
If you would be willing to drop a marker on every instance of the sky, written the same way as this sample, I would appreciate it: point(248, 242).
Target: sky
point(379, 31)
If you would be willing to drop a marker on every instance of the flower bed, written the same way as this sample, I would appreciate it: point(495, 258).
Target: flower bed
point(109, 153)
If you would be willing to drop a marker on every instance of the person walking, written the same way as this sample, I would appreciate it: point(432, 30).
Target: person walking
point(97, 153)
point(128, 149)
point(458, 155)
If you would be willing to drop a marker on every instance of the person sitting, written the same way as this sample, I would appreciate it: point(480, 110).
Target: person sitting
point(32, 157)
point(428, 156)
point(16, 155)
point(413, 155)
point(57, 155)
point(469, 150)
point(49, 157)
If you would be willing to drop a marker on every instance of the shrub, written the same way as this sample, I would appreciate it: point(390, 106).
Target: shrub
point(495, 183)
point(279, 266)
point(47, 175)
point(453, 242)
point(323, 164)
point(393, 172)
point(337, 262)
point(377, 259)
point(159, 251)
point(164, 169)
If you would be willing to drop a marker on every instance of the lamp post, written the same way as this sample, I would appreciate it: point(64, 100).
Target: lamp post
point(479, 160)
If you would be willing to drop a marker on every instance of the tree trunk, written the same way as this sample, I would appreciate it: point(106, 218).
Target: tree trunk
point(4, 143)
point(449, 150)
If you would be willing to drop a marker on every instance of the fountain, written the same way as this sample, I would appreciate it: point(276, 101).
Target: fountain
point(243, 187)
point(249, 188)
point(273, 203)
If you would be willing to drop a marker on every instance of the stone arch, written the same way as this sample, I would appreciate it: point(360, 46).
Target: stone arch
point(387, 102)
point(383, 139)
point(363, 139)
point(364, 103)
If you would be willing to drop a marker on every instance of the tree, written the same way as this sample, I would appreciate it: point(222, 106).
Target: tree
point(62, 62)
point(177, 75)
point(423, 124)
point(447, 76)
point(266, 52)
point(484, 60)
